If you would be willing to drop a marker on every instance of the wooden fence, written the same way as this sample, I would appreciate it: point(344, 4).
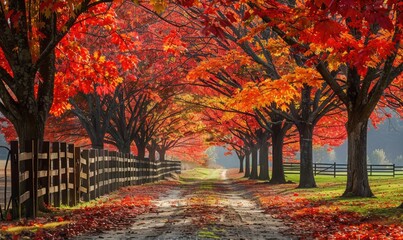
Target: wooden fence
point(61, 174)
point(337, 169)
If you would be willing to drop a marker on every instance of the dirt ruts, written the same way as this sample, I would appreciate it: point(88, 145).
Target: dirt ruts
point(210, 209)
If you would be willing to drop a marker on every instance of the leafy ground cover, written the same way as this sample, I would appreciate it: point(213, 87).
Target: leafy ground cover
point(115, 211)
point(322, 214)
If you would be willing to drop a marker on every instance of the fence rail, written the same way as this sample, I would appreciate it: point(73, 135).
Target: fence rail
point(338, 169)
point(61, 174)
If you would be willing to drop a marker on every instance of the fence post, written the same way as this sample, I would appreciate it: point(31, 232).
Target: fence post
point(46, 181)
point(56, 165)
point(32, 181)
point(101, 172)
point(112, 166)
point(86, 173)
point(93, 183)
point(64, 174)
point(126, 169)
point(107, 172)
point(393, 165)
point(370, 170)
point(334, 170)
point(77, 174)
point(314, 167)
point(71, 193)
point(122, 169)
point(15, 180)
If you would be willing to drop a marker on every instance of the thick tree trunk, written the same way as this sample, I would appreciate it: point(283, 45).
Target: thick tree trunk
point(306, 177)
point(247, 164)
point(31, 127)
point(141, 151)
point(264, 160)
point(278, 176)
point(97, 143)
point(151, 154)
point(124, 147)
point(357, 175)
point(162, 154)
point(253, 174)
point(241, 158)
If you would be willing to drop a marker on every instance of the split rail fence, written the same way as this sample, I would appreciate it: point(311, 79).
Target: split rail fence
point(61, 174)
point(338, 169)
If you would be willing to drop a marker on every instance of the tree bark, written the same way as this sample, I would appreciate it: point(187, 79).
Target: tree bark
point(357, 175)
point(264, 160)
point(151, 154)
point(141, 151)
point(306, 177)
point(278, 176)
point(247, 164)
point(97, 143)
point(162, 154)
point(241, 158)
point(31, 127)
point(124, 147)
point(253, 174)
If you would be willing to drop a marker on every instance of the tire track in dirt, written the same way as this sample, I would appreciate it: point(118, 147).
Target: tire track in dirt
point(202, 210)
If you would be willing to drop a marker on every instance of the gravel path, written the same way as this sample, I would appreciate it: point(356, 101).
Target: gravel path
point(202, 210)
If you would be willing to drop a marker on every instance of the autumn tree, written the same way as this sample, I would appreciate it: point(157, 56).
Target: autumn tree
point(110, 56)
point(31, 32)
point(366, 41)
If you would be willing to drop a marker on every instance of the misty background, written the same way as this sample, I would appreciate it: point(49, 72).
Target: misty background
point(385, 146)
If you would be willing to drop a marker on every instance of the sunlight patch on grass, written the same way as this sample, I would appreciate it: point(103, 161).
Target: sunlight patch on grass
point(34, 228)
point(200, 174)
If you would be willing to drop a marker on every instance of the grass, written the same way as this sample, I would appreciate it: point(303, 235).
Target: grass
point(200, 174)
point(388, 193)
point(210, 234)
point(35, 227)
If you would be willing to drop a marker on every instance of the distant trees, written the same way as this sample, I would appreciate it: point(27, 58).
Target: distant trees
point(378, 156)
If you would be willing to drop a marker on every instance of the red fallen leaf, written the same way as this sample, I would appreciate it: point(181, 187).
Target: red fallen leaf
point(295, 194)
point(59, 219)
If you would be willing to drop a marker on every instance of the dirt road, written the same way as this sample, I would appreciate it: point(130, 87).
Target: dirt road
point(202, 209)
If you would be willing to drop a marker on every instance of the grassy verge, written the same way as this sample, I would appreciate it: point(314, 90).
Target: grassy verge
point(388, 195)
point(321, 213)
point(200, 174)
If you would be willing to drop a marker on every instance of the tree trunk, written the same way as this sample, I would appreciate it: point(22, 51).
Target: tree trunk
point(97, 143)
point(31, 127)
point(264, 160)
point(357, 175)
point(253, 174)
point(151, 154)
point(124, 147)
point(162, 153)
point(141, 151)
point(247, 164)
point(306, 177)
point(278, 176)
point(241, 158)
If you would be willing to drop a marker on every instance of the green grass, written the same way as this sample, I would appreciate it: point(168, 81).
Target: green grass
point(201, 174)
point(209, 233)
point(388, 193)
point(34, 228)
